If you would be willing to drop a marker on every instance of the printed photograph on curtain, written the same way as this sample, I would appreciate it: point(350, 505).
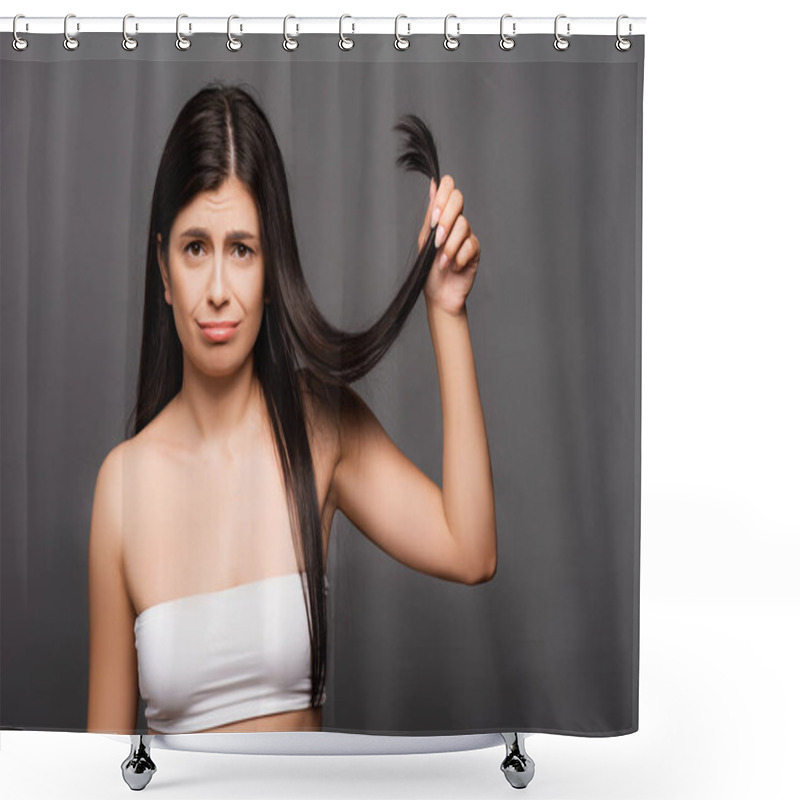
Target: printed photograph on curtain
point(320, 385)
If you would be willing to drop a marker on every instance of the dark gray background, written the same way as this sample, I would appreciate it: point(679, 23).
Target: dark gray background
point(547, 149)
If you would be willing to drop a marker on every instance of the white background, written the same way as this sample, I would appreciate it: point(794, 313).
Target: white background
point(719, 700)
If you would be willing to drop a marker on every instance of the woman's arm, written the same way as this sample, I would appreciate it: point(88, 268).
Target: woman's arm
point(448, 532)
point(113, 667)
point(467, 485)
point(393, 503)
point(467, 488)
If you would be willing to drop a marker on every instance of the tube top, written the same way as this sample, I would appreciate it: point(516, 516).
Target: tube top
point(212, 658)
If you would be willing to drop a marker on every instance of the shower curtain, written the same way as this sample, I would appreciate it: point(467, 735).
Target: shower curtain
point(457, 600)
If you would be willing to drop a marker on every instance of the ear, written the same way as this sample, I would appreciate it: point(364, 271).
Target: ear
point(164, 272)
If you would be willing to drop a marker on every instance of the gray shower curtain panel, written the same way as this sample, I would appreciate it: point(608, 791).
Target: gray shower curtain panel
point(544, 148)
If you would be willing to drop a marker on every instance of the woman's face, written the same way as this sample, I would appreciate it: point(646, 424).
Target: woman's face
point(215, 278)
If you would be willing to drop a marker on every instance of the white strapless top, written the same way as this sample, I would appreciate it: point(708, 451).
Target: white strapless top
point(217, 657)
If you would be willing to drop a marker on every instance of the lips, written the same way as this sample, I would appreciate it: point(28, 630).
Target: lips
point(218, 330)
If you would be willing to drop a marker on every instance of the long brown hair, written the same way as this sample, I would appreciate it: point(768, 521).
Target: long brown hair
point(221, 132)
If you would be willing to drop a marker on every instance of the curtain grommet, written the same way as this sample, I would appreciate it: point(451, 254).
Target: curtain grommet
point(451, 42)
point(507, 42)
point(290, 43)
point(128, 42)
point(400, 42)
point(560, 43)
point(344, 42)
point(622, 44)
point(182, 43)
point(70, 42)
point(233, 44)
point(18, 42)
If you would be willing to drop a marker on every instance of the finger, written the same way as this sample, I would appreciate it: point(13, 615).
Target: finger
point(458, 234)
point(451, 211)
point(446, 186)
point(468, 253)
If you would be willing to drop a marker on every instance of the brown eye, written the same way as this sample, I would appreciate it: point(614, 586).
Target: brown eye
point(191, 245)
point(246, 249)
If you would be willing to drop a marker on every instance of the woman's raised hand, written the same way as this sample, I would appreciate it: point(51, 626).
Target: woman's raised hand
point(457, 248)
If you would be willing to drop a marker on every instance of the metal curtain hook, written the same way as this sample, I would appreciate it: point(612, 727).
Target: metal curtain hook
point(623, 44)
point(19, 43)
point(182, 43)
point(560, 42)
point(344, 42)
point(289, 42)
point(128, 42)
point(70, 42)
point(400, 42)
point(233, 44)
point(451, 42)
point(507, 42)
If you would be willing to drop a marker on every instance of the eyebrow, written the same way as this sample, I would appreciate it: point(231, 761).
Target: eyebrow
point(202, 233)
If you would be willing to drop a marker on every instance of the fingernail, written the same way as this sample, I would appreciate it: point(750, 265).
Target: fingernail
point(439, 236)
point(437, 212)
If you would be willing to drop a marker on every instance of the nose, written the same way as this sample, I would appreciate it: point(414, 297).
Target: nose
point(218, 288)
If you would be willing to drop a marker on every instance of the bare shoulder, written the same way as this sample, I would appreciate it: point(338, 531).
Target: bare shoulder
point(114, 479)
point(108, 486)
point(107, 522)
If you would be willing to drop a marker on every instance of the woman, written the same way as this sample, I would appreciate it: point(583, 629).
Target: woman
point(217, 511)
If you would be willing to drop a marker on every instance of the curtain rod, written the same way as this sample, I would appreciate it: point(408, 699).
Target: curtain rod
point(347, 24)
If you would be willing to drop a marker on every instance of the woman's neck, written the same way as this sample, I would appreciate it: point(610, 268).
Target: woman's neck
point(220, 412)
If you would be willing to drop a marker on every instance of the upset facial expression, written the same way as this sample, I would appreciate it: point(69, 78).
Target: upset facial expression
point(214, 277)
